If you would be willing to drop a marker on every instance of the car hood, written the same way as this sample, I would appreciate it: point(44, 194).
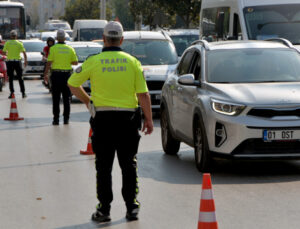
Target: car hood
point(34, 56)
point(257, 93)
point(158, 72)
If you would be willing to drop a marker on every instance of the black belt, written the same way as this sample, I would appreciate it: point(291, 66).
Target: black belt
point(13, 60)
point(57, 70)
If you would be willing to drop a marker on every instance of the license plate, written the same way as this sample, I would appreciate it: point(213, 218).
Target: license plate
point(273, 135)
point(36, 68)
point(158, 97)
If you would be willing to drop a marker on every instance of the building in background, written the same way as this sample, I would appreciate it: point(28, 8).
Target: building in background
point(42, 10)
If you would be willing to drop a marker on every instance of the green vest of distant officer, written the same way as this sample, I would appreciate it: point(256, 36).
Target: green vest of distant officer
point(60, 59)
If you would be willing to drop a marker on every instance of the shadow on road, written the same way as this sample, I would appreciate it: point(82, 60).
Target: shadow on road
point(181, 169)
point(43, 101)
point(92, 225)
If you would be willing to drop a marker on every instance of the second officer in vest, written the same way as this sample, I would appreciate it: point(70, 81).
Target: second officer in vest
point(60, 60)
point(117, 85)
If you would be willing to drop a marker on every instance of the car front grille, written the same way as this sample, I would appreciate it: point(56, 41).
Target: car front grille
point(155, 85)
point(258, 146)
point(269, 113)
point(35, 63)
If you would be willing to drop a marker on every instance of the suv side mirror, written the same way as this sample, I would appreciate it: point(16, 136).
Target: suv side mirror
point(188, 80)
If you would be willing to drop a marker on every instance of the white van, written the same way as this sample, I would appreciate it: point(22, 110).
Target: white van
point(250, 20)
point(88, 30)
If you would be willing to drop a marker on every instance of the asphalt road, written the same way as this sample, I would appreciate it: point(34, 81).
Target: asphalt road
point(46, 183)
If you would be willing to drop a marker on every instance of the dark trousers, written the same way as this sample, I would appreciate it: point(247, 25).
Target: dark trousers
point(116, 131)
point(11, 67)
point(60, 87)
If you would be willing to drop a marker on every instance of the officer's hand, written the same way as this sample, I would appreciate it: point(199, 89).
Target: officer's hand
point(25, 64)
point(147, 126)
point(46, 78)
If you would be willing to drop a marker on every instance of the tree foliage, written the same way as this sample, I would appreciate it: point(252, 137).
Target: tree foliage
point(122, 12)
point(188, 10)
point(84, 9)
point(151, 13)
point(164, 12)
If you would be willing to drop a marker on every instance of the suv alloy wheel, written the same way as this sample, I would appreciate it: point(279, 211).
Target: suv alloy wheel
point(202, 154)
point(170, 144)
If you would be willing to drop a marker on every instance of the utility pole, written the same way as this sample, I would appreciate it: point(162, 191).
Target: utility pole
point(41, 15)
point(103, 9)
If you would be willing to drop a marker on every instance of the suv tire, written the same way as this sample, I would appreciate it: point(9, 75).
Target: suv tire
point(202, 153)
point(170, 144)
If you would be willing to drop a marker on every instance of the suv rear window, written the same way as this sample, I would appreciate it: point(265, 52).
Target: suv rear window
point(151, 52)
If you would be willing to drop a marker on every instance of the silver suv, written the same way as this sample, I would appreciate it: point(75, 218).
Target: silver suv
point(239, 99)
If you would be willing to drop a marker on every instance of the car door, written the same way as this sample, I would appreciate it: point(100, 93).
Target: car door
point(187, 96)
point(182, 69)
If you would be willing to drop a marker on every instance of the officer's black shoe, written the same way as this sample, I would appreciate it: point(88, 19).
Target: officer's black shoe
point(132, 214)
point(55, 123)
point(24, 95)
point(10, 96)
point(100, 217)
point(66, 121)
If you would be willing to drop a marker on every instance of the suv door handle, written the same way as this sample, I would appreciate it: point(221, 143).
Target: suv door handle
point(179, 88)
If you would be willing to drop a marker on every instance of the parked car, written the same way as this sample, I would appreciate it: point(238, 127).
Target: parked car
point(183, 38)
point(157, 54)
point(45, 35)
point(88, 30)
point(239, 99)
point(52, 25)
point(83, 51)
point(35, 65)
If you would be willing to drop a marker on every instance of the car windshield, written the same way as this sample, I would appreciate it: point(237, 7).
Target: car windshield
point(182, 42)
point(151, 52)
point(271, 21)
point(34, 46)
point(84, 52)
point(253, 66)
point(91, 34)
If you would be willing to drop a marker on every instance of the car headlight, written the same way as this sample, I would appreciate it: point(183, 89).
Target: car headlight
point(227, 108)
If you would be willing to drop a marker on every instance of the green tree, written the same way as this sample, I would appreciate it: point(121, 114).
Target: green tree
point(84, 9)
point(122, 12)
point(187, 10)
point(152, 13)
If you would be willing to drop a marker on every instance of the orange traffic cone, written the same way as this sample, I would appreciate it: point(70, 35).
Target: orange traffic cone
point(207, 215)
point(13, 116)
point(89, 150)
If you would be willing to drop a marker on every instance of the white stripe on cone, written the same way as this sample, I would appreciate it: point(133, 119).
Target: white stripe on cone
point(206, 194)
point(13, 110)
point(207, 217)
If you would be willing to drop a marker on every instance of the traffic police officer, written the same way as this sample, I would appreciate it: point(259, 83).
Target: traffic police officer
point(60, 59)
point(13, 48)
point(117, 85)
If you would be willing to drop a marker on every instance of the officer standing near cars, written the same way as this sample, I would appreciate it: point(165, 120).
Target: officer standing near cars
point(60, 60)
point(117, 85)
point(13, 48)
